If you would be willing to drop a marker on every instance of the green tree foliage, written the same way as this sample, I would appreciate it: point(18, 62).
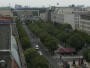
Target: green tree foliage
point(23, 36)
point(51, 42)
point(86, 55)
point(34, 60)
point(50, 34)
point(40, 29)
point(84, 35)
point(40, 62)
point(63, 36)
point(63, 26)
point(76, 41)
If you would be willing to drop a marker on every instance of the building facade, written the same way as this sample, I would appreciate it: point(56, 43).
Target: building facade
point(9, 55)
point(84, 24)
point(27, 14)
point(68, 15)
point(6, 11)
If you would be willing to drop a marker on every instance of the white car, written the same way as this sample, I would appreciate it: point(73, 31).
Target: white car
point(37, 47)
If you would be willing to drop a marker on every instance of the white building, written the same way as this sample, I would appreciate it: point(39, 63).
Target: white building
point(84, 24)
point(69, 15)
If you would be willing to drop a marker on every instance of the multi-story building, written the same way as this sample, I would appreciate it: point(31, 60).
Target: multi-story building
point(27, 14)
point(9, 55)
point(69, 15)
point(84, 24)
point(77, 17)
point(6, 11)
point(63, 15)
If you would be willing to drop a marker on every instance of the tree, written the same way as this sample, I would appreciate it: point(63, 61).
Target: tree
point(34, 60)
point(23, 36)
point(40, 62)
point(30, 54)
point(64, 26)
point(86, 55)
point(63, 36)
point(25, 43)
point(84, 36)
point(76, 41)
point(40, 29)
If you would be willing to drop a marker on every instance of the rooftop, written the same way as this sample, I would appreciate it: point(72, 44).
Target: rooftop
point(66, 50)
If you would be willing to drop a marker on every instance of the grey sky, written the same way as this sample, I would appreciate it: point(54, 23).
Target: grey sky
point(39, 3)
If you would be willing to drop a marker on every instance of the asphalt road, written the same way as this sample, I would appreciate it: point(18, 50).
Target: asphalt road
point(34, 41)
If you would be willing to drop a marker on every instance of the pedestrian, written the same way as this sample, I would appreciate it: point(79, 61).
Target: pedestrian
point(82, 62)
point(73, 63)
point(60, 57)
point(79, 62)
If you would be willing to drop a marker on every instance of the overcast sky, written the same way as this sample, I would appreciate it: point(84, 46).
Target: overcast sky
point(39, 3)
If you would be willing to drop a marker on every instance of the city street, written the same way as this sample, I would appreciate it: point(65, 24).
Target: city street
point(54, 61)
point(45, 34)
point(34, 41)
